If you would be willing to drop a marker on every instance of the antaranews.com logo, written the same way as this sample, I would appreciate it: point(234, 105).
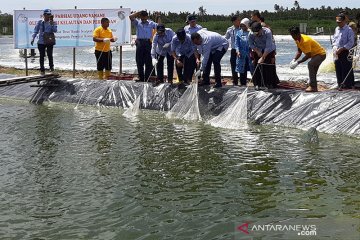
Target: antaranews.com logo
point(298, 229)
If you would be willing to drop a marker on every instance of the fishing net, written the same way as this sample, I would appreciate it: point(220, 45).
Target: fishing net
point(235, 116)
point(187, 108)
point(134, 109)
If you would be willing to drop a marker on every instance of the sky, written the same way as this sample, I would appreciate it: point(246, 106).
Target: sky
point(212, 6)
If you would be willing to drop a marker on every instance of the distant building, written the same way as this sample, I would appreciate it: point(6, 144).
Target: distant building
point(303, 27)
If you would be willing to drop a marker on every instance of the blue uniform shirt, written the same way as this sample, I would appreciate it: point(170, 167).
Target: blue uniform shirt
point(40, 28)
point(187, 48)
point(231, 34)
point(191, 30)
point(211, 42)
point(343, 37)
point(159, 42)
point(144, 30)
point(264, 42)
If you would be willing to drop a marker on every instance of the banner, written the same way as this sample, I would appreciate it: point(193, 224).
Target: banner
point(74, 26)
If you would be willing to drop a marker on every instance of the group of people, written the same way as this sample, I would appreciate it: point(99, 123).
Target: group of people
point(193, 50)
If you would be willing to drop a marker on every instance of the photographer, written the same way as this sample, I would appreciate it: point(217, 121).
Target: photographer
point(46, 29)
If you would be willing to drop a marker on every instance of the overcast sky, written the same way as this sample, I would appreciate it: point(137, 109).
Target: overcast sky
point(211, 6)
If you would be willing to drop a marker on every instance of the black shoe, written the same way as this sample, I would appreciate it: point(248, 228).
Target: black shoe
point(181, 86)
point(52, 70)
point(235, 83)
point(203, 83)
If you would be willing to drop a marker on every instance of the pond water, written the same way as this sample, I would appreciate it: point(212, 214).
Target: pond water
point(90, 173)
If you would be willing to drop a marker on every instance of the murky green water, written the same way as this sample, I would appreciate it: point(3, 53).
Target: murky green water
point(92, 174)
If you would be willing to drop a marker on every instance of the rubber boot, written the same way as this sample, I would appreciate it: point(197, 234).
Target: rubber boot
point(107, 74)
point(101, 75)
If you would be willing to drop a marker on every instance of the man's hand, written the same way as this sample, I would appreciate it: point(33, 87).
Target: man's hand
point(114, 39)
point(339, 51)
point(166, 45)
point(32, 42)
point(198, 73)
point(106, 40)
point(293, 64)
point(154, 61)
point(238, 54)
point(198, 62)
point(179, 63)
point(261, 60)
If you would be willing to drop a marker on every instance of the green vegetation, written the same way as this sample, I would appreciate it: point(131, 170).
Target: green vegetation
point(6, 20)
point(279, 19)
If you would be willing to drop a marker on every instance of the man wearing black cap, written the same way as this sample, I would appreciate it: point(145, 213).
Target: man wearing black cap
point(263, 46)
point(182, 50)
point(45, 27)
point(342, 42)
point(161, 48)
point(192, 26)
point(144, 33)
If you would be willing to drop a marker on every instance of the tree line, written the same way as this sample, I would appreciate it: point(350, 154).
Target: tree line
point(279, 18)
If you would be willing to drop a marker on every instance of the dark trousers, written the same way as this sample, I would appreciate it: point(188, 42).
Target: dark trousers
point(143, 57)
point(243, 76)
point(235, 75)
point(313, 66)
point(344, 71)
point(103, 60)
point(160, 67)
point(49, 51)
point(265, 74)
point(214, 58)
point(186, 72)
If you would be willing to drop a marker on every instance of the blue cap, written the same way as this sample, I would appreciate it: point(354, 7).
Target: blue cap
point(190, 18)
point(160, 27)
point(47, 12)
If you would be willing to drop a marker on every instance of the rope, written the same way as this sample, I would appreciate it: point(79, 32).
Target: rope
point(350, 57)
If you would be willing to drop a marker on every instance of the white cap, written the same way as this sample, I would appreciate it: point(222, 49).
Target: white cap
point(245, 21)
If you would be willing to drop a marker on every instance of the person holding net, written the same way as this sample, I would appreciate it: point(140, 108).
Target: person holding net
point(102, 36)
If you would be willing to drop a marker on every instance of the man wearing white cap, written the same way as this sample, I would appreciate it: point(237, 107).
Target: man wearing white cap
point(46, 29)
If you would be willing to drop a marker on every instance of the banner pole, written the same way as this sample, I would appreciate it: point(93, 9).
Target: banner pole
point(120, 56)
point(120, 67)
point(26, 63)
point(26, 60)
point(74, 57)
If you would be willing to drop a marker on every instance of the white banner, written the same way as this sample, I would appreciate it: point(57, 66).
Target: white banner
point(74, 26)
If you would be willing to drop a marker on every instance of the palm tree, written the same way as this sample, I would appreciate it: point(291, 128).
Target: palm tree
point(296, 5)
point(202, 11)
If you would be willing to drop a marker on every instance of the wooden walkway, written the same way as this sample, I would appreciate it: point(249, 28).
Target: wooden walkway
point(28, 79)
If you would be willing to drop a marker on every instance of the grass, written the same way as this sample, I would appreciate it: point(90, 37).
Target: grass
point(63, 73)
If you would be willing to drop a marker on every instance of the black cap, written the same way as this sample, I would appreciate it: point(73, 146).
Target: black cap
point(190, 18)
point(256, 27)
point(340, 18)
point(144, 13)
point(160, 28)
point(181, 34)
